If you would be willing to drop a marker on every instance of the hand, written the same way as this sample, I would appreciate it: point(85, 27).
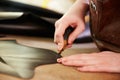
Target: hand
point(96, 62)
point(75, 18)
point(62, 24)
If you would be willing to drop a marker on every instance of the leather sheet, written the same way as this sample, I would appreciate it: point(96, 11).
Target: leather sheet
point(22, 60)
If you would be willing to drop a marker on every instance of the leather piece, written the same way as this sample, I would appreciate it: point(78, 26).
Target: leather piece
point(22, 59)
point(105, 24)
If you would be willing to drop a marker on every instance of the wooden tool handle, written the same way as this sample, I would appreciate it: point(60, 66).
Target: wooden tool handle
point(67, 33)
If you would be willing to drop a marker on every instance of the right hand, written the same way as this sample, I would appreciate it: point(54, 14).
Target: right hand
point(69, 19)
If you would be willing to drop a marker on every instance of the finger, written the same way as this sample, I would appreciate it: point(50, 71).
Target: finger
point(95, 68)
point(80, 60)
point(68, 63)
point(69, 45)
point(81, 56)
point(58, 37)
point(79, 29)
point(57, 24)
point(59, 41)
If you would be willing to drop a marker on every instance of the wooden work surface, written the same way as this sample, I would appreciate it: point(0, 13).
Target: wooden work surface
point(58, 71)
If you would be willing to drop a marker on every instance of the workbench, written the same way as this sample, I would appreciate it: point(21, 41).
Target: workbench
point(58, 71)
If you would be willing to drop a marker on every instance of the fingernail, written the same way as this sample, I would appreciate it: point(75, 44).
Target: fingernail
point(59, 60)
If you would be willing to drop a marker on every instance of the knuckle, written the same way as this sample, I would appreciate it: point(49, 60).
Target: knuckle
point(55, 41)
point(57, 23)
point(58, 35)
point(82, 28)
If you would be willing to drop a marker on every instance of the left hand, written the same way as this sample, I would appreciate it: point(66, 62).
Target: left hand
point(105, 61)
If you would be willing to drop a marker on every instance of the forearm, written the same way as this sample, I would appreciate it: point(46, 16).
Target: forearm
point(80, 7)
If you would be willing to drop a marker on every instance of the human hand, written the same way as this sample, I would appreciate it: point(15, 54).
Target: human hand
point(96, 62)
point(73, 20)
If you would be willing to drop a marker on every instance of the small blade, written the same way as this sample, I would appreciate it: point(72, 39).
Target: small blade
point(68, 31)
point(1, 60)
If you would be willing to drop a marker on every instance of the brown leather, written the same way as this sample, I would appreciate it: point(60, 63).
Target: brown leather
point(105, 24)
